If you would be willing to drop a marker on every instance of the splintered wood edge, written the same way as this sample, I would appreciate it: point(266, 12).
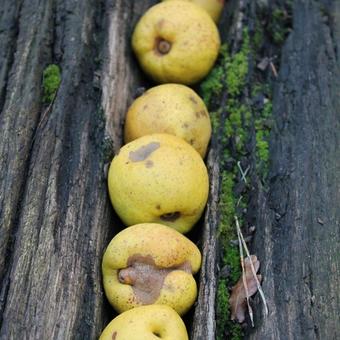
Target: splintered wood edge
point(204, 324)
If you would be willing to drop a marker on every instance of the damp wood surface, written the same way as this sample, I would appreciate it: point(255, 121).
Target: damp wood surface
point(55, 216)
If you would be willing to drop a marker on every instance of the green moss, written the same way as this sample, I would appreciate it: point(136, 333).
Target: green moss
point(215, 120)
point(231, 74)
point(258, 37)
point(230, 258)
point(278, 26)
point(262, 130)
point(226, 206)
point(223, 322)
point(237, 68)
point(222, 309)
point(262, 146)
point(213, 83)
point(51, 82)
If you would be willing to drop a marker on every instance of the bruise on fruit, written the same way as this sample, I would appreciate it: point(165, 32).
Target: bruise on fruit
point(149, 163)
point(171, 217)
point(158, 207)
point(185, 125)
point(114, 335)
point(143, 152)
point(146, 278)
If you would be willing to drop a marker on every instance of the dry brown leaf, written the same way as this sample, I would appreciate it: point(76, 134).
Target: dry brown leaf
point(238, 294)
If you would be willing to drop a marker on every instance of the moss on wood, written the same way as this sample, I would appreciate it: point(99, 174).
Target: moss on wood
point(51, 82)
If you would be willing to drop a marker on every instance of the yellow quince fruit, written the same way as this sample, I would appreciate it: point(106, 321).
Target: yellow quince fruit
point(213, 7)
point(170, 108)
point(146, 323)
point(148, 264)
point(159, 178)
point(176, 42)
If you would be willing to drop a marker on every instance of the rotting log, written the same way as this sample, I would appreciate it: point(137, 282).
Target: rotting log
point(296, 211)
point(298, 219)
point(55, 216)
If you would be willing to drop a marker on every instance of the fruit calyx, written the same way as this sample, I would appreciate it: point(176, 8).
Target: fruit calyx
point(171, 217)
point(163, 46)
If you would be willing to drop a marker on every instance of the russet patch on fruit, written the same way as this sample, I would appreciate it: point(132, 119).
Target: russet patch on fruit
point(159, 178)
point(150, 264)
point(147, 322)
point(176, 42)
point(170, 108)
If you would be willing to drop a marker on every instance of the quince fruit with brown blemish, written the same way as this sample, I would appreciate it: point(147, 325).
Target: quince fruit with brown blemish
point(176, 42)
point(150, 263)
point(146, 323)
point(213, 7)
point(170, 108)
point(159, 178)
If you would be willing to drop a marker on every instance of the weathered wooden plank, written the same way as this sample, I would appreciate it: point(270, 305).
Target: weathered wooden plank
point(298, 221)
point(59, 219)
point(204, 324)
point(22, 48)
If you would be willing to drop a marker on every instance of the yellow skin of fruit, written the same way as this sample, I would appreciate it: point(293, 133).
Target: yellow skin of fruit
point(169, 250)
point(170, 108)
point(176, 42)
point(213, 7)
point(159, 178)
point(146, 323)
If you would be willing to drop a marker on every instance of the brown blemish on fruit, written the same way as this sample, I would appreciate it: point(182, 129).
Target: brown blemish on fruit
point(160, 24)
point(185, 125)
point(145, 107)
point(158, 207)
point(171, 217)
point(114, 335)
point(193, 99)
point(162, 46)
point(200, 114)
point(149, 163)
point(146, 278)
point(191, 141)
point(143, 152)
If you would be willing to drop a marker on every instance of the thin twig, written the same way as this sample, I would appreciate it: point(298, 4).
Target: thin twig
point(244, 278)
point(252, 267)
point(272, 66)
point(239, 201)
point(243, 173)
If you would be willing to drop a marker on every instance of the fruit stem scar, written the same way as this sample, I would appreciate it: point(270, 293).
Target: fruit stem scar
point(171, 217)
point(127, 276)
point(163, 46)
